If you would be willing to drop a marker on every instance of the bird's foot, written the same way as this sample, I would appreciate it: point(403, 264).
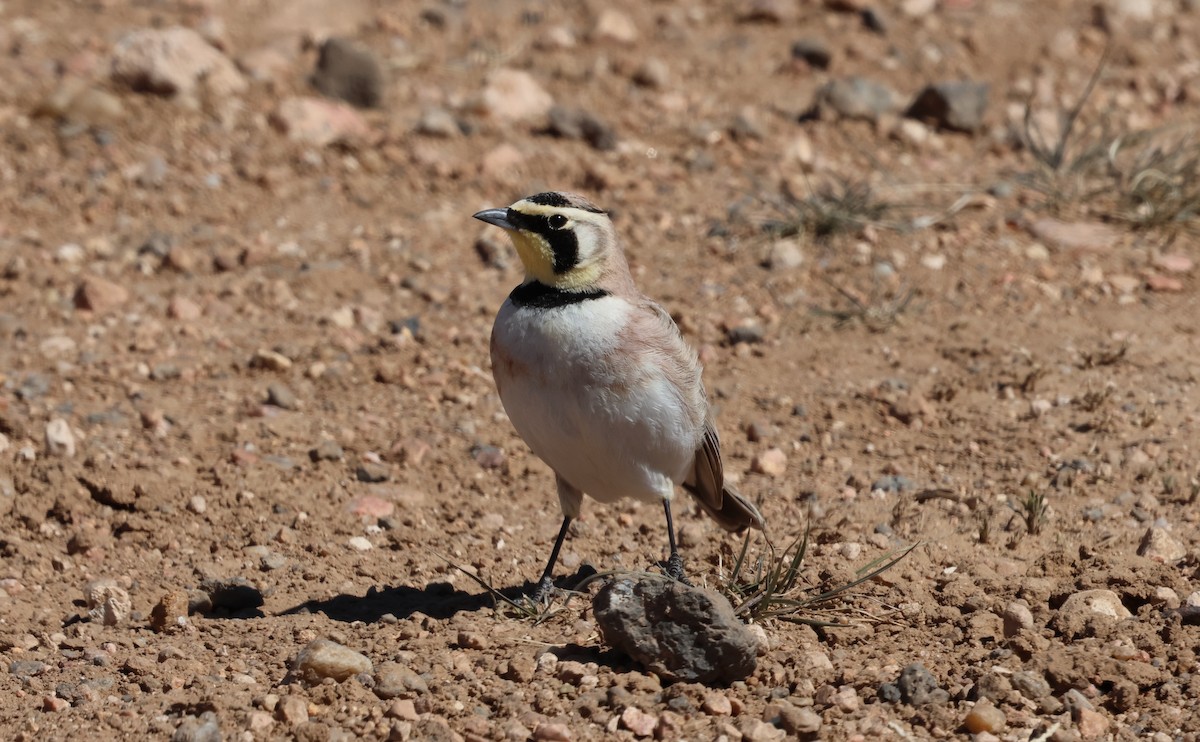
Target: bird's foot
point(545, 588)
point(674, 569)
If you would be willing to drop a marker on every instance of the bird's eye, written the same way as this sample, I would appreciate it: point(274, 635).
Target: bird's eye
point(557, 221)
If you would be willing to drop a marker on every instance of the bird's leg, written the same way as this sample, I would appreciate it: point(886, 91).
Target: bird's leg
point(674, 562)
point(546, 584)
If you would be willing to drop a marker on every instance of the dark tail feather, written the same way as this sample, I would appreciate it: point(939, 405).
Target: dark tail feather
point(735, 513)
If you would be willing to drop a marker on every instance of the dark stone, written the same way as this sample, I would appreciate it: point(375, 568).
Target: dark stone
point(675, 631)
point(349, 72)
point(27, 668)
point(857, 98)
point(873, 20)
point(889, 693)
point(916, 687)
point(372, 473)
point(572, 123)
point(813, 51)
point(952, 105)
point(32, 387)
point(233, 594)
point(327, 450)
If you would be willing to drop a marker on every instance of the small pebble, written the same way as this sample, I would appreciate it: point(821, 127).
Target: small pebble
point(171, 612)
point(109, 604)
point(813, 51)
point(403, 708)
point(292, 710)
point(984, 717)
point(1159, 545)
point(270, 360)
point(54, 703)
point(772, 462)
point(438, 122)
point(100, 295)
point(327, 450)
point(552, 732)
point(60, 440)
point(638, 721)
point(323, 658)
point(370, 506)
point(393, 679)
point(281, 396)
point(472, 640)
point(489, 457)
point(371, 472)
point(203, 728)
point(717, 704)
point(1017, 618)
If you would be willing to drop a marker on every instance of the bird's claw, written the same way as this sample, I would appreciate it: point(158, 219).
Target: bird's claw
point(543, 591)
point(675, 569)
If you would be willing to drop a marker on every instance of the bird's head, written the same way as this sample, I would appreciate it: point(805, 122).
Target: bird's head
point(564, 240)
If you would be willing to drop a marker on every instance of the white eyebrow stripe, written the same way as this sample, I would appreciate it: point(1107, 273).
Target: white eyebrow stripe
point(579, 215)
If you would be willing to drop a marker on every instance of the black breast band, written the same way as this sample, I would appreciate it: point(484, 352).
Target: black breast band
point(538, 295)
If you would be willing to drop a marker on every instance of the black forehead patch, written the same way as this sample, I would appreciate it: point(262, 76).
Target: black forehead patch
point(559, 200)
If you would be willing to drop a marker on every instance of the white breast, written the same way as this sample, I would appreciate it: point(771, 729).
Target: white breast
point(613, 426)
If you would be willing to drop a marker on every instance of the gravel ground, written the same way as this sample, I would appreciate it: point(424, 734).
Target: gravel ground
point(250, 450)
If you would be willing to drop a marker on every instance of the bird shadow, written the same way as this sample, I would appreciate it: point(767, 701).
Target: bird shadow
point(439, 600)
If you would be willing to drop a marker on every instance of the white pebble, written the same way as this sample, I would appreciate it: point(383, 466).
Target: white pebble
point(60, 441)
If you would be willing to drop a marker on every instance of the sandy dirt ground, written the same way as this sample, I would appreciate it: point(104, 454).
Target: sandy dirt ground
point(245, 399)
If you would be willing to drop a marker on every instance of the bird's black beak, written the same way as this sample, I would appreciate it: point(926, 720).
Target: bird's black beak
point(498, 217)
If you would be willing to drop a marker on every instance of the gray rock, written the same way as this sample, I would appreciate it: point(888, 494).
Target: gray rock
point(955, 105)
point(675, 631)
point(1017, 618)
point(393, 680)
point(27, 668)
point(349, 72)
point(372, 473)
point(893, 483)
point(571, 123)
point(1030, 685)
point(916, 687)
point(813, 51)
point(33, 386)
point(438, 122)
point(858, 98)
point(230, 593)
point(489, 457)
point(327, 450)
point(203, 728)
point(281, 396)
point(165, 372)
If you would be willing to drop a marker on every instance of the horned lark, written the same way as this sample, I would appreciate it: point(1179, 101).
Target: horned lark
point(597, 378)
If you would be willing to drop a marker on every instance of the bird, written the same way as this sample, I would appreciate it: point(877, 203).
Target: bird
point(597, 378)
